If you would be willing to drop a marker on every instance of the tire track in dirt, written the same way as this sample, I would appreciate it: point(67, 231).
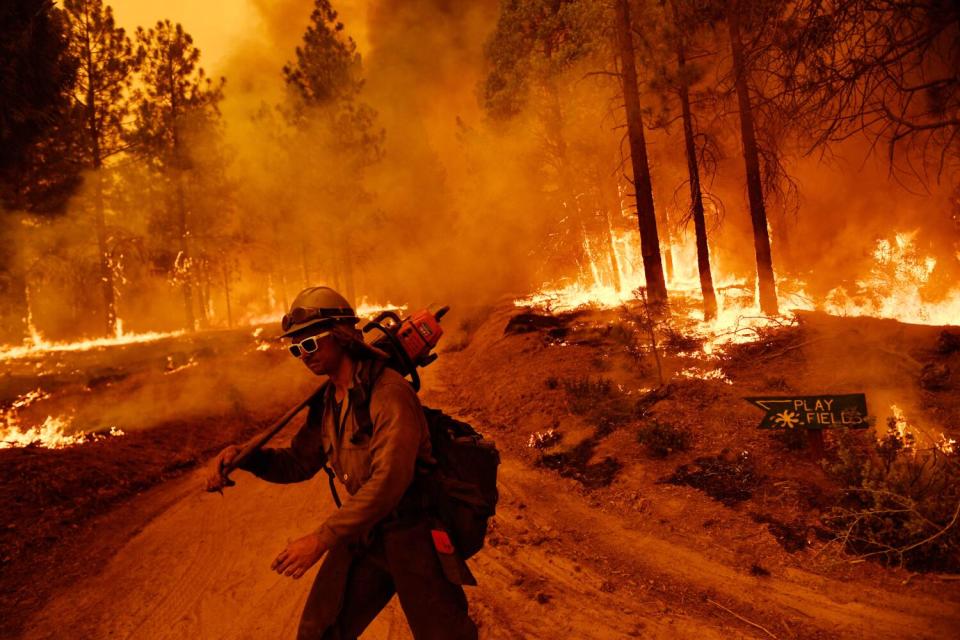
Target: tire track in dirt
point(795, 604)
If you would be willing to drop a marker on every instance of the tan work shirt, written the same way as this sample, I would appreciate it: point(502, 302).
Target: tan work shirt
point(376, 470)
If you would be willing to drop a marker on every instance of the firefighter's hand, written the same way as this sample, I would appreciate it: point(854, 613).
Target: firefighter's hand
point(299, 556)
point(217, 478)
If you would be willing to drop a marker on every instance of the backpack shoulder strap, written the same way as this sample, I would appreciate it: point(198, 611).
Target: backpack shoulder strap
point(360, 400)
point(317, 404)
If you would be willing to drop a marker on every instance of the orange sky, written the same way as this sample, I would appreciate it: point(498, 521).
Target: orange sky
point(218, 26)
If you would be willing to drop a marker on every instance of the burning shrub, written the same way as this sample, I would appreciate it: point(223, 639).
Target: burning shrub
point(544, 439)
point(900, 503)
point(662, 438)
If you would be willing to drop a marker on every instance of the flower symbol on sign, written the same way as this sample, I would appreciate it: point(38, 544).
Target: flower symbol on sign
point(787, 419)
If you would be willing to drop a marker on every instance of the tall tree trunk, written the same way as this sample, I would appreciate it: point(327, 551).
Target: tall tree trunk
point(203, 292)
point(303, 263)
point(186, 286)
point(283, 291)
point(336, 271)
point(226, 295)
point(664, 223)
point(180, 167)
point(348, 272)
point(646, 216)
point(96, 161)
point(15, 307)
point(106, 273)
point(751, 159)
point(603, 200)
point(696, 194)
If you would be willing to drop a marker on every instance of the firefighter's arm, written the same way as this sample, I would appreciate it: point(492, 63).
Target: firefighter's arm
point(398, 425)
point(296, 463)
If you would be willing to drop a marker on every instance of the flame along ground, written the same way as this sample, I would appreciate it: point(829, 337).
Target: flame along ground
point(895, 287)
point(59, 431)
point(52, 433)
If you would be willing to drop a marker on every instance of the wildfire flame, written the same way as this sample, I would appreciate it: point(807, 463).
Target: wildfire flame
point(901, 429)
point(896, 287)
point(52, 433)
point(738, 315)
point(37, 345)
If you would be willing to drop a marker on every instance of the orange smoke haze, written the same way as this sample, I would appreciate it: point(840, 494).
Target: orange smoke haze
point(456, 210)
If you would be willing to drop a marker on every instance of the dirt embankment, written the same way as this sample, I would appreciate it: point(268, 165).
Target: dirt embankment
point(591, 540)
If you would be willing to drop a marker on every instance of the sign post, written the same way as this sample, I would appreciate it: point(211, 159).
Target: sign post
point(814, 414)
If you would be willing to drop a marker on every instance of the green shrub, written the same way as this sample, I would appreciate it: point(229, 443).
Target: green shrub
point(900, 503)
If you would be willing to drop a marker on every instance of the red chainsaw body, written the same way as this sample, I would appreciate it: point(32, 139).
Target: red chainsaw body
point(419, 334)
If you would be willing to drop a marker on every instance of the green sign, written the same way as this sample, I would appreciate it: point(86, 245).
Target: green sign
point(813, 412)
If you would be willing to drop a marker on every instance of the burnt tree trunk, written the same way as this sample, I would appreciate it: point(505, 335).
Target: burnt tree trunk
point(603, 201)
point(203, 292)
point(348, 271)
point(106, 272)
point(646, 216)
point(283, 291)
point(186, 271)
point(96, 160)
point(664, 224)
point(751, 159)
point(696, 194)
point(303, 263)
point(180, 167)
point(226, 295)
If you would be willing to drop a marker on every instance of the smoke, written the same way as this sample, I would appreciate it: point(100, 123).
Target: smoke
point(458, 210)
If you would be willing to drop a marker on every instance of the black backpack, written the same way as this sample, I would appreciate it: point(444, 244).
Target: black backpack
point(464, 482)
point(462, 487)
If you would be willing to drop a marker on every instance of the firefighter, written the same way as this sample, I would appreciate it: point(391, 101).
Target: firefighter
point(379, 543)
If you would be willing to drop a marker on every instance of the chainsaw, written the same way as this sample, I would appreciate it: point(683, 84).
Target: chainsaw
point(408, 341)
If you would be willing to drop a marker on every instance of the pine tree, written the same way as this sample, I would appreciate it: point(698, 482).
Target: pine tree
point(105, 64)
point(736, 12)
point(174, 100)
point(328, 114)
point(535, 44)
point(38, 168)
point(643, 188)
point(682, 26)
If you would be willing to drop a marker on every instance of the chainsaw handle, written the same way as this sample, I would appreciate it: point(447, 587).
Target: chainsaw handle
point(383, 315)
point(397, 347)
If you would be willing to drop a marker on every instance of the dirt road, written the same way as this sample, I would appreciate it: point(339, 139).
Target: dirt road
point(559, 568)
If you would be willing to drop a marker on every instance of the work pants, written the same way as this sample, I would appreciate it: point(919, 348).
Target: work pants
point(352, 588)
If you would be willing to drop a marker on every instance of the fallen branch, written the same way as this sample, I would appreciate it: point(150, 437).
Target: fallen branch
point(790, 348)
point(741, 618)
